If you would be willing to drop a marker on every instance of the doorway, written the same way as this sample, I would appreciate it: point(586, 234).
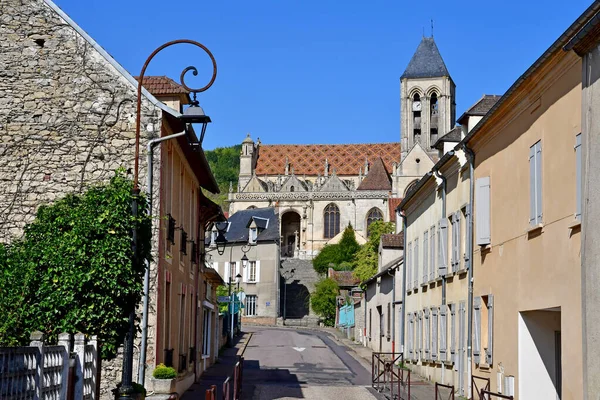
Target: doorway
point(290, 233)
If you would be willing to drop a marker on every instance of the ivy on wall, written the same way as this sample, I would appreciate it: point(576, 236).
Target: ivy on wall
point(72, 269)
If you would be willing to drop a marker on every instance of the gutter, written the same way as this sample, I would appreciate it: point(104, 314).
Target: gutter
point(403, 321)
point(471, 160)
point(393, 275)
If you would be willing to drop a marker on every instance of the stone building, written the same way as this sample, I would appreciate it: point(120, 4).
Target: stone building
point(320, 189)
point(67, 120)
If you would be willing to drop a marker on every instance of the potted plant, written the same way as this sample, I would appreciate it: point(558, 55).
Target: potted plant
point(139, 392)
point(163, 379)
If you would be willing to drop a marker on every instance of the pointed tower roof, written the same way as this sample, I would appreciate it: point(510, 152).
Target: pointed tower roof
point(427, 62)
point(377, 179)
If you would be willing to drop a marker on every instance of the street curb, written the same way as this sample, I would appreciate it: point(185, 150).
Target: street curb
point(246, 344)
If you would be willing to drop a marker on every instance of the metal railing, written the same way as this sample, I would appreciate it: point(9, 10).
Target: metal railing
point(487, 395)
point(232, 386)
point(440, 394)
point(211, 394)
point(475, 386)
point(389, 374)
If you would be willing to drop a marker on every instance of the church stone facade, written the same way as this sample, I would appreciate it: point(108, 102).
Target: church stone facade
point(319, 189)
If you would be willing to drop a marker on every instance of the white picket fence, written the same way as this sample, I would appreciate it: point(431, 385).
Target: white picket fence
point(42, 372)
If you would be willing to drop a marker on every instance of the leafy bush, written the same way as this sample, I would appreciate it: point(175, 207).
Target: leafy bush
point(163, 372)
point(225, 164)
point(323, 300)
point(334, 255)
point(367, 257)
point(72, 270)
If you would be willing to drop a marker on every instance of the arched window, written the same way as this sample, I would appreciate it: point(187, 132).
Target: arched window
point(410, 186)
point(374, 214)
point(291, 188)
point(416, 109)
point(331, 217)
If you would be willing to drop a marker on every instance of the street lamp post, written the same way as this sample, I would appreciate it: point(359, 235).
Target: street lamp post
point(195, 115)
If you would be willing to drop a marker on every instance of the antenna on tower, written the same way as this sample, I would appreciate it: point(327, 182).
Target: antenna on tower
point(432, 27)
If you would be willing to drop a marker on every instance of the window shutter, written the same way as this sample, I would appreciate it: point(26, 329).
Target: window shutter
point(425, 257)
point(432, 255)
point(460, 347)
point(443, 241)
point(408, 266)
point(538, 182)
point(257, 271)
point(410, 335)
point(443, 332)
point(388, 322)
point(477, 330)
point(482, 202)
point(418, 334)
point(453, 243)
point(578, 177)
point(434, 333)
point(246, 273)
point(467, 256)
point(532, 210)
point(227, 270)
point(452, 332)
point(458, 240)
point(490, 348)
point(427, 333)
point(416, 264)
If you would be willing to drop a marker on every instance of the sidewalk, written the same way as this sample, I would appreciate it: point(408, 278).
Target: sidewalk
point(218, 372)
point(420, 389)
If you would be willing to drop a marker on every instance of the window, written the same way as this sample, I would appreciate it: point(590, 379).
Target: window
point(206, 334)
point(252, 272)
point(425, 257)
point(292, 188)
point(535, 184)
point(578, 177)
point(171, 229)
point(331, 221)
point(194, 255)
point(456, 240)
point(432, 271)
point(408, 266)
point(183, 242)
point(443, 247)
point(443, 332)
point(427, 332)
point(483, 320)
point(482, 209)
point(373, 215)
point(253, 234)
point(232, 271)
point(416, 263)
point(434, 333)
point(251, 305)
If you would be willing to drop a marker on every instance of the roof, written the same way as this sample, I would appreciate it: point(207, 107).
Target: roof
point(427, 62)
point(455, 135)
point(389, 267)
point(161, 85)
point(392, 240)
point(481, 107)
point(310, 159)
point(239, 222)
point(343, 278)
point(564, 39)
point(378, 178)
point(393, 203)
point(337, 238)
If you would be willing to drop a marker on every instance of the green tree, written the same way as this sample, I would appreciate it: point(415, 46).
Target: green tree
point(338, 255)
point(367, 257)
point(323, 300)
point(72, 270)
point(225, 165)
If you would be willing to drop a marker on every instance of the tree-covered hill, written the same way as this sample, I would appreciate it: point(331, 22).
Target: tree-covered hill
point(225, 165)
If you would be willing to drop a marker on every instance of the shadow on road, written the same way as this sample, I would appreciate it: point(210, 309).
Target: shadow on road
point(275, 383)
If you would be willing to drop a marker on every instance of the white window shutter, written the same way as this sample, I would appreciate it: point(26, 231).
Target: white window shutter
point(578, 176)
point(227, 271)
point(489, 351)
point(466, 255)
point(452, 332)
point(482, 204)
point(452, 243)
point(458, 240)
point(416, 263)
point(257, 271)
point(425, 257)
point(443, 331)
point(427, 333)
point(477, 330)
point(538, 182)
point(408, 266)
point(237, 269)
point(246, 273)
point(434, 333)
point(443, 241)
point(418, 334)
point(432, 265)
point(532, 186)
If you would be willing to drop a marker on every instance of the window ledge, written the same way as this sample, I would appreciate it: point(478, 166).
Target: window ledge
point(576, 224)
point(251, 282)
point(535, 229)
point(438, 279)
point(484, 366)
point(485, 248)
point(462, 271)
point(423, 284)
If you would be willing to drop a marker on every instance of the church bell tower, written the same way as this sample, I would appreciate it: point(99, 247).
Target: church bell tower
point(427, 99)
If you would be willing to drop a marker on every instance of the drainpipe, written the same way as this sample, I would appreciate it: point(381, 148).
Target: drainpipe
point(150, 153)
point(443, 178)
point(393, 312)
point(471, 160)
point(365, 333)
point(402, 334)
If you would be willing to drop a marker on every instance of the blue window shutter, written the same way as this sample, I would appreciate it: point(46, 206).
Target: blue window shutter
point(489, 351)
point(432, 251)
point(443, 332)
point(538, 182)
point(532, 210)
point(482, 204)
point(416, 263)
point(578, 178)
point(425, 256)
point(477, 330)
point(443, 240)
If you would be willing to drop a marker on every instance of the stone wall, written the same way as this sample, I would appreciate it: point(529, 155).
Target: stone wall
point(67, 120)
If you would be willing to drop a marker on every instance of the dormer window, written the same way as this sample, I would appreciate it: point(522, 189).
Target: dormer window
point(252, 235)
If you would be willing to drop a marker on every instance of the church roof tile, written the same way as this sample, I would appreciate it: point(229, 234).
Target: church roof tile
point(427, 62)
point(377, 179)
point(309, 159)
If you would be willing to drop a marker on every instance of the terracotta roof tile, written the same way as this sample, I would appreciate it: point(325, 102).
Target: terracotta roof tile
point(158, 85)
point(377, 179)
point(344, 278)
point(393, 203)
point(346, 159)
point(394, 240)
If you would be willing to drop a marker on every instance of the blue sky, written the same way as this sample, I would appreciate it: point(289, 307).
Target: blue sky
point(322, 71)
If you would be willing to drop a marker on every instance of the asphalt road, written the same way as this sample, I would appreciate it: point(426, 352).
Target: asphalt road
point(284, 363)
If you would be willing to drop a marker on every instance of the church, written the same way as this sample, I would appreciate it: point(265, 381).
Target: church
point(318, 189)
